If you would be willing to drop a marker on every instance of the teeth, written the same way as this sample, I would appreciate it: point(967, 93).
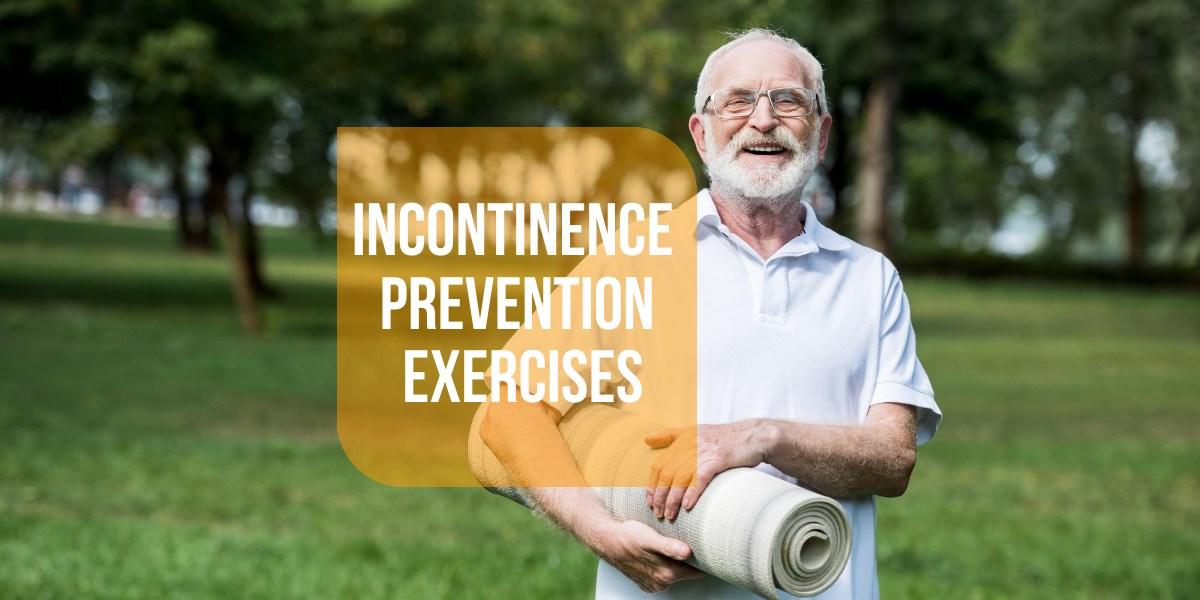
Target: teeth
point(764, 148)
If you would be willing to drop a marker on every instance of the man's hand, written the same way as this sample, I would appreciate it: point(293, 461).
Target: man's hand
point(693, 457)
point(651, 560)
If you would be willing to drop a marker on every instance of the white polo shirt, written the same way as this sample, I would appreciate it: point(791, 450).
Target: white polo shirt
point(817, 333)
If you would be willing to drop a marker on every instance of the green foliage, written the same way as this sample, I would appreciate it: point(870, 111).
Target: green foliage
point(1000, 101)
point(42, 80)
point(1100, 76)
point(953, 183)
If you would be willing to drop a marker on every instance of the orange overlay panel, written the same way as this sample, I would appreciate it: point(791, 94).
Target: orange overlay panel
point(486, 269)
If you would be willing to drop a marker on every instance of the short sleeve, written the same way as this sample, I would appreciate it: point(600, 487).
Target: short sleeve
point(901, 378)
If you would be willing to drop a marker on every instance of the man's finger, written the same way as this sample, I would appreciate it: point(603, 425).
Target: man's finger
point(684, 471)
point(655, 470)
point(666, 471)
point(674, 498)
point(704, 476)
point(663, 438)
point(684, 572)
point(661, 544)
point(662, 467)
point(661, 489)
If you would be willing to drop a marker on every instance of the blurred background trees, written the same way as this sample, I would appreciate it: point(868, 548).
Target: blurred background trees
point(1054, 131)
point(1107, 120)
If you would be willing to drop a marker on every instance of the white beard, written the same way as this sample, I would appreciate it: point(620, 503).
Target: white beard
point(770, 187)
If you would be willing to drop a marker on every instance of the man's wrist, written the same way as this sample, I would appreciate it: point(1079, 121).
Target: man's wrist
point(597, 530)
point(766, 436)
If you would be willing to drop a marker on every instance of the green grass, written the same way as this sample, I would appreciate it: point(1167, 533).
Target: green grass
point(150, 450)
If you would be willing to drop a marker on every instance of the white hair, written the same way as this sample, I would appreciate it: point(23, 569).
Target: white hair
point(704, 82)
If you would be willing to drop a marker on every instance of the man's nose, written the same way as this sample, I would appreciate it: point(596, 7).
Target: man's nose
point(763, 118)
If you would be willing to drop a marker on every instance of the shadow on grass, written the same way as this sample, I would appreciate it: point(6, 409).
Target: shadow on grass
point(120, 266)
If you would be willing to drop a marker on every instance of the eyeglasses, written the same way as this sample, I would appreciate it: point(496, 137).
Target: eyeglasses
point(738, 103)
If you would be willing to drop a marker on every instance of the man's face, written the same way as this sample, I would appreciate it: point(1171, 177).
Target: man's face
point(761, 156)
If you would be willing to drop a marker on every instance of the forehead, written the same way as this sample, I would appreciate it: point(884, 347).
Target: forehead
point(758, 62)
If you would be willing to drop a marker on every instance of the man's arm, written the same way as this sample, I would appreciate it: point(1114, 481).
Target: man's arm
point(842, 461)
point(526, 439)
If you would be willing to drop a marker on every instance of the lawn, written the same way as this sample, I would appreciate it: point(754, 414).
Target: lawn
point(151, 450)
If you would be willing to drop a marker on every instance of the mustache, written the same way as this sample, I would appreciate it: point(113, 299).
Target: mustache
point(779, 137)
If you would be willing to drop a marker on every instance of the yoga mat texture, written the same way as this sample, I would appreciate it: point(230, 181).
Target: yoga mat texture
point(750, 529)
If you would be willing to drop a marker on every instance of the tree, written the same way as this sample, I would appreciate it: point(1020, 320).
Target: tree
point(45, 108)
point(1105, 73)
point(173, 75)
point(887, 65)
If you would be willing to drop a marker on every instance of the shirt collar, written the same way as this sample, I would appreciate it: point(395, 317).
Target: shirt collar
point(824, 237)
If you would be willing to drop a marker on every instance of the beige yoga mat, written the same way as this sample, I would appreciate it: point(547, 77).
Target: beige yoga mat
point(750, 529)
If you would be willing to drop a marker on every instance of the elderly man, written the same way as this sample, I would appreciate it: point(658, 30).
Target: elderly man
point(807, 363)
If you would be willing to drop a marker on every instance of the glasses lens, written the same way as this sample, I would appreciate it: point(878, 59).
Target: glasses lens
point(791, 102)
point(734, 103)
point(787, 102)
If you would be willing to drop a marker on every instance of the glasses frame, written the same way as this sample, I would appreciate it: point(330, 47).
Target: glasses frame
point(815, 94)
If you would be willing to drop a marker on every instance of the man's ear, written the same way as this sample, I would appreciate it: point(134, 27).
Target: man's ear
point(826, 127)
point(696, 127)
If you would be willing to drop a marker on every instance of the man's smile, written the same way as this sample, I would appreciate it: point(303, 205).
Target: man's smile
point(766, 153)
point(764, 149)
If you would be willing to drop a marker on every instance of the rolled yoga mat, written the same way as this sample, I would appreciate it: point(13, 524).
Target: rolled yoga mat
point(749, 528)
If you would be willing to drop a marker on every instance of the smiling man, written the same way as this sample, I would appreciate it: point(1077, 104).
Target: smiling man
point(807, 365)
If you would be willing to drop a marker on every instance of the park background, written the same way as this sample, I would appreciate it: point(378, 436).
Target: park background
point(167, 337)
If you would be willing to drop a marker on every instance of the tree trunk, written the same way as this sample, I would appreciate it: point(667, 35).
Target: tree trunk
point(839, 172)
point(110, 188)
point(310, 207)
point(1135, 192)
point(1135, 217)
point(193, 221)
point(245, 296)
point(192, 228)
point(250, 247)
point(875, 160)
point(183, 210)
point(202, 229)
